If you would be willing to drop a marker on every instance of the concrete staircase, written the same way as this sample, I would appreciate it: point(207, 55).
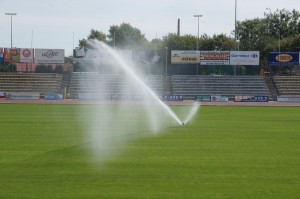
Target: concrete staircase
point(273, 93)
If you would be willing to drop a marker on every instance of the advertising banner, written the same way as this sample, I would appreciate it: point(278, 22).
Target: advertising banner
point(215, 57)
point(127, 97)
point(219, 98)
point(94, 96)
point(12, 55)
point(284, 59)
point(248, 58)
point(23, 96)
point(1, 55)
point(185, 57)
point(288, 99)
point(100, 56)
point(2, 94)
point(203, 98)
point(251, 99)
point(53, 96)
point(49, 56)
point(173, 98)
point(26, 55)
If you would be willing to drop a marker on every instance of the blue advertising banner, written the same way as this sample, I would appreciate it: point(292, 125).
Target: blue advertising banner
point(173, 98)
point(251, 99)
point(53, 96)
point(284, 59)
point(1, 55)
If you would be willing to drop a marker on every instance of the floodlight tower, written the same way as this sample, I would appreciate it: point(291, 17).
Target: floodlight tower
point(11, 15)
point(198, 16)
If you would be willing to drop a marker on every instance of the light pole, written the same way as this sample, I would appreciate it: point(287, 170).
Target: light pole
point(11, 14)
point(198, 16)
point(235, 38)
point(166, 60)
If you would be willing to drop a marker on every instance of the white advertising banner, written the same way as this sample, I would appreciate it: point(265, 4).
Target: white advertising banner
point(49, 56)
point(102, 56)
point(185, 57)
point(26, 55)
point(248, 58)
point(219, 98)
point(215, 57)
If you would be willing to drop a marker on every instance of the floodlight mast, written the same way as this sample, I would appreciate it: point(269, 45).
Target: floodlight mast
point(198, 16)
point(11, 15)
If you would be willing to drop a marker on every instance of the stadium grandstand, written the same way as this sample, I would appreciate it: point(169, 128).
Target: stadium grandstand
point(41, 83)
point(187, 86)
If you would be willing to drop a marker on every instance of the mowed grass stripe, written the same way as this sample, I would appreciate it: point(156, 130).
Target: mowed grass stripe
point(225, 152)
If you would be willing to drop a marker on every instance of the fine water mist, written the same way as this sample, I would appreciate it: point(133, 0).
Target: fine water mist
point(137, 79)
point(110, 126)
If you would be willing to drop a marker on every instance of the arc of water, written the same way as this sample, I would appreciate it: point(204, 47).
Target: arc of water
point(192, 113)
point(139, 80)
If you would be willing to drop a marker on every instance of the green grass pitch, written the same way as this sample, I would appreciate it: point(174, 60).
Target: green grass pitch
point(225, 152)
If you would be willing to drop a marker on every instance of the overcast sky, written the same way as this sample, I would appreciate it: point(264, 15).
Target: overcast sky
point(52, 23)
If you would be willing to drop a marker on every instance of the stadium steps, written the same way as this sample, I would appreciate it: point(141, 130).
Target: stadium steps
point(273, 93)
point(64, 82)
point(167, 85)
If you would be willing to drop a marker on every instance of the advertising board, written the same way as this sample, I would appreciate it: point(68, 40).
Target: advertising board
point(12, 55)
point(248, 58)
point(288, 99)
point(53, 96)
point(1, 55)
point(219, 98)
point(203, 98)
point(93, 96)
point(251, 99)
point(173, 98)
point(185, 57)
point(100, 56)
point(127, 97)
point(284, 59)
point(214, 57)
point(26, 55)
point(22, 96)
point(49, 56)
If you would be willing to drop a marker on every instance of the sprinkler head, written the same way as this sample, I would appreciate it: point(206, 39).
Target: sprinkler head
point(182, 124)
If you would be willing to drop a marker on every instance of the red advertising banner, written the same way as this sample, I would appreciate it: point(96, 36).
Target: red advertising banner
point(215, 57)
point(12, 55)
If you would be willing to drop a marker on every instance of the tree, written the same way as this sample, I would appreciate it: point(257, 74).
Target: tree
point(126, 36)
point(94, 34)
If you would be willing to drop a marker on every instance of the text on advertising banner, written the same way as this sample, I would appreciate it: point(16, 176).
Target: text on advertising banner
point(215, 58)
point(49, 56)
point(26, 55)
point(284, 59)
point(185, 57)
point(248, 58)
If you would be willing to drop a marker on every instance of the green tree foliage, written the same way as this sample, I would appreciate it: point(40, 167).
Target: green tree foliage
point(94, 34)
point(277, 31)
point(267, 34)
point(126, 36)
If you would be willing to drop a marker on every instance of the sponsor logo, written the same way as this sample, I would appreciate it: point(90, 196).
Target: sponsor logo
point(50, 54)
point(254, 55)
point(284, 58)
point(26, 53)
point(215, 56)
